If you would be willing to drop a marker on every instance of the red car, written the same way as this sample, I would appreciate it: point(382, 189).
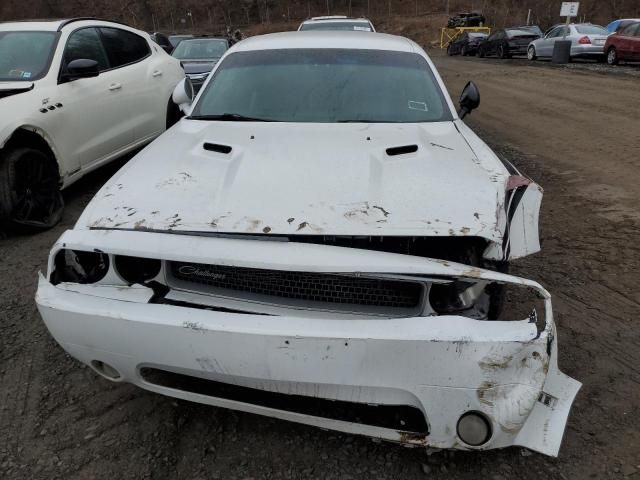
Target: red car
point(624, 44)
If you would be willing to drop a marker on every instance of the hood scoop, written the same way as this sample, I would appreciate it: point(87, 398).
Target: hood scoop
point(403, 150)
point(7, 92)
point(216, 147)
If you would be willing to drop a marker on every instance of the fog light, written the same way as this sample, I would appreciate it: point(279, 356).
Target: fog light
point(137, 269)
point(474, 429)
point(105, 370)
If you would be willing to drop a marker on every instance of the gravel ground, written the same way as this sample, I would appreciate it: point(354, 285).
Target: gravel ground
point(58, 419)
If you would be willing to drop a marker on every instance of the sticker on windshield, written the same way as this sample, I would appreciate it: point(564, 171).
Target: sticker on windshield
point(26, 74)
point(422, 106)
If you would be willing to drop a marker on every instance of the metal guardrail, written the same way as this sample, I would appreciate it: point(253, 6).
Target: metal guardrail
point(447, 35)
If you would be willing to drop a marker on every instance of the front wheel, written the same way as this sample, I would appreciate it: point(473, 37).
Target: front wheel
point(503, 52)
point(531, 53)
point(480, 52)
point(464, 52)
point(449, 51)
point(30, 197)
point(612, 56)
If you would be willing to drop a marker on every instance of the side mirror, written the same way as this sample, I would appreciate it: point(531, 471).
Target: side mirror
point(183, 94)
point(81, 68)
point(469, 99)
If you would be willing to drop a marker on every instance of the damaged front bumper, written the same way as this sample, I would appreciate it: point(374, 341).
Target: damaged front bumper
point(323, 368)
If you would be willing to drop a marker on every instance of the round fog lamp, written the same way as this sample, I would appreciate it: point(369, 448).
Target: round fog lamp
point(474, 429)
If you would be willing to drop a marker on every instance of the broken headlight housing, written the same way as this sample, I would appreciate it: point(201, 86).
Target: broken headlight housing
point(78, 266)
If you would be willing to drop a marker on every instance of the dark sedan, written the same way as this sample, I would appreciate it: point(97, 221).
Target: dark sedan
point(198, 57)
point(466, 44)
point(507, 42)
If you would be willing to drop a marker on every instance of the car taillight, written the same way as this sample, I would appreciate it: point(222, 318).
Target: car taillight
point(584, 40)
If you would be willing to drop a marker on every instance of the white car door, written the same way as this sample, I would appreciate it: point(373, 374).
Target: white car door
point(92, 113)
point(143, 78)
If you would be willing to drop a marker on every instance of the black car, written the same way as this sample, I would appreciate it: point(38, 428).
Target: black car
point(163, 41)
point(466, 44)
point(507, 42)
point(198, 56)
point(472, 19)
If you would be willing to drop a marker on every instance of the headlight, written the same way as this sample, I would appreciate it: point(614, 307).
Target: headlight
point(79, 266)
point(137, 269)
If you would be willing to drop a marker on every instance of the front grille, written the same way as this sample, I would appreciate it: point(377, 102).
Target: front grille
point(304, 286)
point(403, 418)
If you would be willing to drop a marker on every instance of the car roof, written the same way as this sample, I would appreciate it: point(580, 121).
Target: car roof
point(336, 20)
point(57, 25)
point(327, 39)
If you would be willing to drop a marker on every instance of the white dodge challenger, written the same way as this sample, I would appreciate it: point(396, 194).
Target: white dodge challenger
point(322, 240)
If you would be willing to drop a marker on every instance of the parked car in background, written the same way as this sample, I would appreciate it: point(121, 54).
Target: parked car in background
point(466, 44)
point(587, 41)
point(473, 19)
point(198, 56)
point(176, 39)
point(74, 95)
point(162, 40)
point(534, 28)
point(322, 240)
point(337, 23)
point(507, 42)
point(623, 45)
point(621, 23)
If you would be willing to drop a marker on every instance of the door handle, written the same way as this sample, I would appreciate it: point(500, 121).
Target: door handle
point(115, 86)
point(156, 73)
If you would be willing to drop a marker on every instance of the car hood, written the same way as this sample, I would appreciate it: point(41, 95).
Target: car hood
point(313, 179)
point(199, 66)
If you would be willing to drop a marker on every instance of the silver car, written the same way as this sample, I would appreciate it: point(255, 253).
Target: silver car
point(587, 41)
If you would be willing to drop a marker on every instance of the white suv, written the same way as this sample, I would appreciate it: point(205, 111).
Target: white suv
point(74, 95)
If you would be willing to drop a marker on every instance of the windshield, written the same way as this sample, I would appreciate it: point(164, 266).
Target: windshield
point(25, 55)
point(591, 30)
point(204, 48)
point(358, 26)
point(325, 86)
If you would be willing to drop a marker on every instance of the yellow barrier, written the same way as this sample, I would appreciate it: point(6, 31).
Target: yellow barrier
point(448, 35)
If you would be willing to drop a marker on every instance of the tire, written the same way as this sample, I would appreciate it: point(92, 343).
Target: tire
point(480, 52)
point(612, 56)
point(464, 52)
point(30, 197)
point(449, 51)
point(502, 53)
point(531, 53)
point(174, 114)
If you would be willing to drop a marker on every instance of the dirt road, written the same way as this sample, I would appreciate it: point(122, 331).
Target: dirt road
point(576, 133)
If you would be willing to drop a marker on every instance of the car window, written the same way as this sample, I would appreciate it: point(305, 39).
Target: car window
point(637, 30)
point(325, 86)
point(85, 43)
point(357, 26)
point(630, 30)
point(591, 30)
point(123, 48)
point(25, 55)
point(200, 48)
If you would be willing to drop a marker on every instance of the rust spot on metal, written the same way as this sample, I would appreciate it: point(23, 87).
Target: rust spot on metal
point(485, 393)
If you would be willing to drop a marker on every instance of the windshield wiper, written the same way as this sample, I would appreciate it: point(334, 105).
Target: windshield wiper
point(230, 117)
